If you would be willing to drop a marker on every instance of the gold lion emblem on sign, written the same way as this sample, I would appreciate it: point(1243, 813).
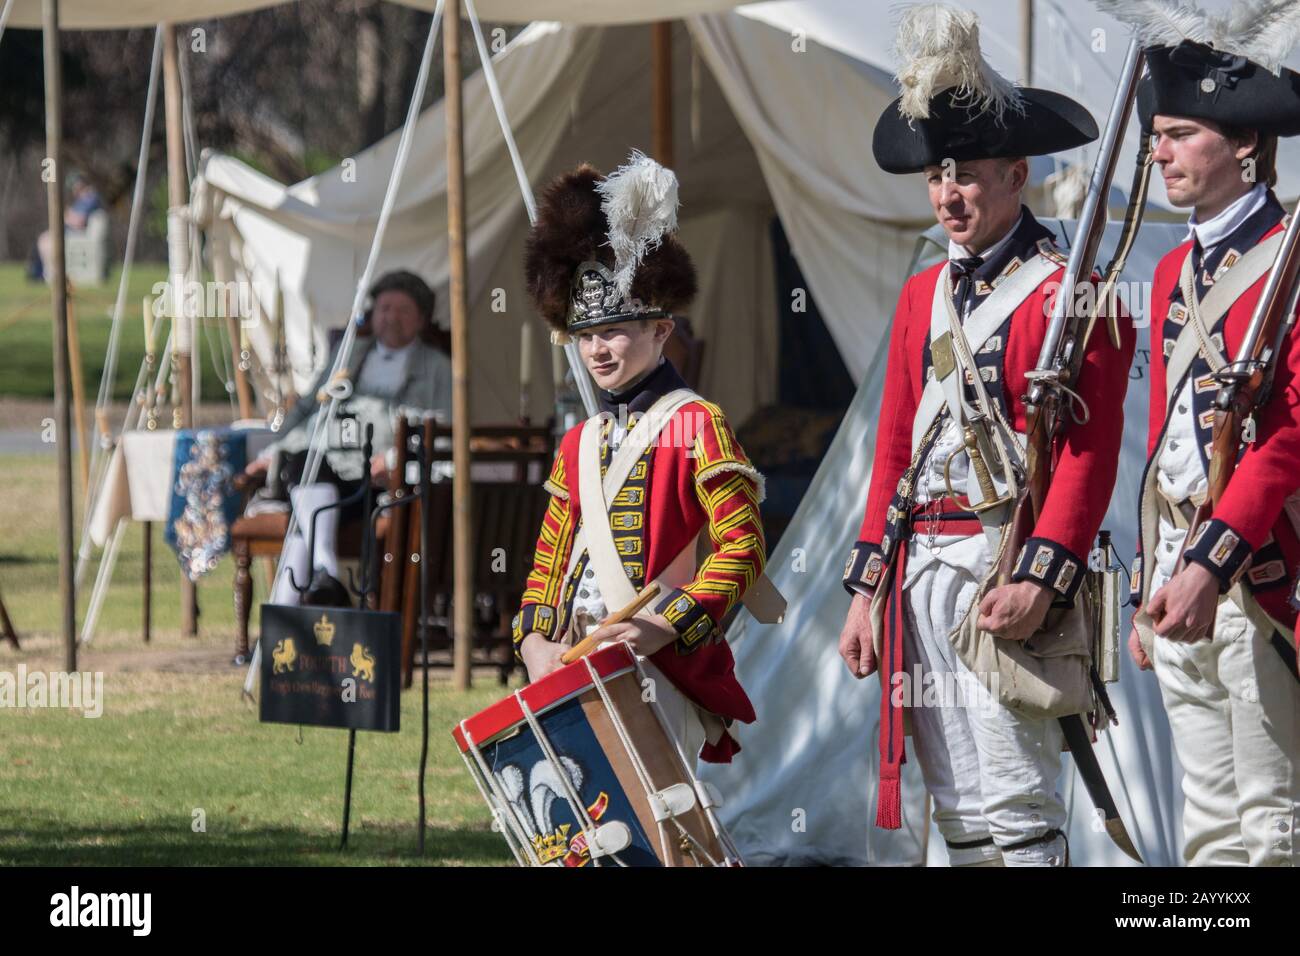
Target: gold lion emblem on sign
point(363, 663)
point(283, 656)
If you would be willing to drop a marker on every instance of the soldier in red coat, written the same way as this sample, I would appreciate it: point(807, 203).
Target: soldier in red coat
point(1231, 693)
point(654, 480)
point(950, 440)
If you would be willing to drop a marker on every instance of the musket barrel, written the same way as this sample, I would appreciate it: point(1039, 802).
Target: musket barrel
point(1092, 217)
point(1281, 286)
point(1281, 277)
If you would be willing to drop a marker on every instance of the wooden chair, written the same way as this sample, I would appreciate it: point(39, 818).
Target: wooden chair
point(507, 510)
point(262, 536)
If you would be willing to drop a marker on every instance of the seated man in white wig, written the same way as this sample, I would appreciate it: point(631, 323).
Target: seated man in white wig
point(396, 364)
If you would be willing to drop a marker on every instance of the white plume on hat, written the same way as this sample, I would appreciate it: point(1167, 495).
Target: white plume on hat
point(639, 200)
point(939, 47)
point(1264, 31)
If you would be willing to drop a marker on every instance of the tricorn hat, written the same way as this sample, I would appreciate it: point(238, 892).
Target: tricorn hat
point(603, 248)
point(1224, 68)
point(955, 106)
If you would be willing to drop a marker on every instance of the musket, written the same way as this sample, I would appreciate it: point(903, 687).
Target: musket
point(1074, 312)
point(1072, 320)
point(1245, 383)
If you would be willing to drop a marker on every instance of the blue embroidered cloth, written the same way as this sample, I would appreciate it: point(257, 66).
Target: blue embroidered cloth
point(204, 501)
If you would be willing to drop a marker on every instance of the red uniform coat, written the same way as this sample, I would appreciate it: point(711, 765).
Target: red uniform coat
point(1086, 457)
point(1269, 469)
point(697, 477)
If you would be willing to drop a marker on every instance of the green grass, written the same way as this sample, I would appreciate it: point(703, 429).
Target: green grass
point(26, 333)
point(29, 564)
point(124, 788)
point(175, 737)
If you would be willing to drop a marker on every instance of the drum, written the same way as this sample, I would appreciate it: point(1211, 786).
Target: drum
point(578, 768)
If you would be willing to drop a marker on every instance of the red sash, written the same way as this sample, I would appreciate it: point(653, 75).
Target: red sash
point(944, 517)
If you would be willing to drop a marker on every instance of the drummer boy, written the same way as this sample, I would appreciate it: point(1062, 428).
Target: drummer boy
point(682, 485)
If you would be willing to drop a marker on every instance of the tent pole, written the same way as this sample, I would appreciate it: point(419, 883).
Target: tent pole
point(462, 531)
point(146, 622)
point(661, 91)
point(59, 300)
point(177, 198)
point(78, 392)
point(1027, 40)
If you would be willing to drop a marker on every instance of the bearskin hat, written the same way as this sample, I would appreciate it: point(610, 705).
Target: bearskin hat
point(603, 248)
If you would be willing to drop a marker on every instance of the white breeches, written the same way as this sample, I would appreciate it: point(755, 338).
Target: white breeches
point(681, 717)
point(1234, 712)
point(679, 714)
point(306, 499)
point(990, 771)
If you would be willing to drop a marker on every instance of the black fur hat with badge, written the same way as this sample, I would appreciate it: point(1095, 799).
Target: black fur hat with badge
point(604, 248)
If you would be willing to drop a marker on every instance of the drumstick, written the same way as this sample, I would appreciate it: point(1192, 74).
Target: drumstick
point(588, 643)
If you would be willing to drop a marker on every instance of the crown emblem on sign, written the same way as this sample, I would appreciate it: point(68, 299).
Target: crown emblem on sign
point(324, 629)
point(552, 846)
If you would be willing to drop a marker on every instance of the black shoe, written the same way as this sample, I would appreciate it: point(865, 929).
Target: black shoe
point(327, 591)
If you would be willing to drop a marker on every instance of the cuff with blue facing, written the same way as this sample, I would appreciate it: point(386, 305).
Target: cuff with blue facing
point(1052, 565)
point(688, 618)
point(865, 568)
point(1220, 550)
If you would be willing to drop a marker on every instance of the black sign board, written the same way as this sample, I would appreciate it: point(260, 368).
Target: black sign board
point(331, 667)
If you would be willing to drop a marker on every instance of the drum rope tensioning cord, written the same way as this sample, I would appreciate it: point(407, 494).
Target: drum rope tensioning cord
point(570, 795)
point(502, 800)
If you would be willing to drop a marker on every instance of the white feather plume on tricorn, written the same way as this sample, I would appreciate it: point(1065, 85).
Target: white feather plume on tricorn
point(939, 47)
point(1264, 31)
point(639, 200)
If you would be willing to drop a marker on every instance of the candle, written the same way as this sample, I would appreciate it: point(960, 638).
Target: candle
point(279, 299)
point(525, 355)
point(148, 326)
point(173, 312)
